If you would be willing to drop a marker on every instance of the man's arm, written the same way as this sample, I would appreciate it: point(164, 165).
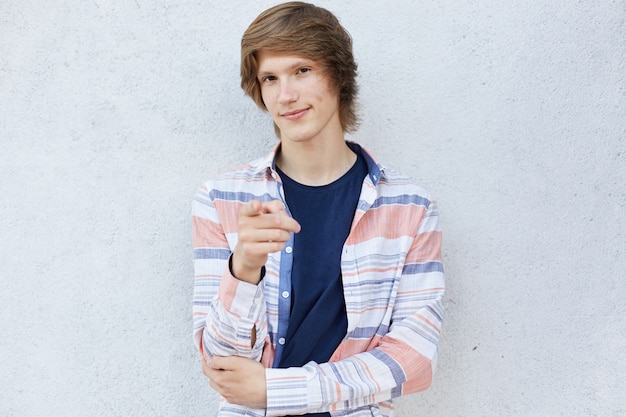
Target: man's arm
point(229, 307)
point(401, 363)
point(225, 309)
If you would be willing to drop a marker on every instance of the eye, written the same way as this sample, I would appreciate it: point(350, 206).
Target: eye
point(304, 70)
point(268, 79)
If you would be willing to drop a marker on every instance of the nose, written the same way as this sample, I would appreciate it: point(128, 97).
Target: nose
point(288, 92)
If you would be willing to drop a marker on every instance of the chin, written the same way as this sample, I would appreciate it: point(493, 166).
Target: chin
point(296, 136)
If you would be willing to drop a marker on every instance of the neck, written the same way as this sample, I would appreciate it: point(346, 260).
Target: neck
point(315, 164)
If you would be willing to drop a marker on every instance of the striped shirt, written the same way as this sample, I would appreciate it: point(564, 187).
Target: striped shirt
point(393, 286)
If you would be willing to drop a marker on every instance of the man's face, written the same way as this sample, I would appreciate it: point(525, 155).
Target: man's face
point(299, 97)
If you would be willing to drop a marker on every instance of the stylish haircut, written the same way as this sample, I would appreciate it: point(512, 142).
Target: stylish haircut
point(308, 31)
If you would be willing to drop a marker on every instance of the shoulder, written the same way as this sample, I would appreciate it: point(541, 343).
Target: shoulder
point(389, 182)
point(250, 181)
point(394, 184)
point(236, 178)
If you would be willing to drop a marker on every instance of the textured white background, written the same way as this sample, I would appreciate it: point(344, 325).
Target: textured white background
point(513, 113)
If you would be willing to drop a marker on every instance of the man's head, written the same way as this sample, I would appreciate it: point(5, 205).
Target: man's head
point(305, 30)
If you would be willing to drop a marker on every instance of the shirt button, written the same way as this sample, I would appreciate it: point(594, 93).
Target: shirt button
point(288, 249)
point(281, 341)
point(285, 294)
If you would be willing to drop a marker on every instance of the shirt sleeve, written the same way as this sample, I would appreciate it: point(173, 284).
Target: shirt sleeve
point(225, 310)
point(401, 362)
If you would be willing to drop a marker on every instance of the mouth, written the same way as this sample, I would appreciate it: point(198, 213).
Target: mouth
point(295, 114)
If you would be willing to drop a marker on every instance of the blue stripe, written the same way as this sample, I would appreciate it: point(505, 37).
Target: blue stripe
point(239, 196)
point(396, 371)
point(434, 266)
point(402, 199)
point(434, 313)
point(204, 253)
point(368, 332)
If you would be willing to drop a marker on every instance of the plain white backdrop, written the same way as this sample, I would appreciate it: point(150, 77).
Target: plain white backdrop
point(512, 113)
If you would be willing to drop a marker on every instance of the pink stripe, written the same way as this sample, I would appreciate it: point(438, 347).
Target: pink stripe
point(394, 221)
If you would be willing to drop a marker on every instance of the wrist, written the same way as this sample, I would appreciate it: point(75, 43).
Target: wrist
point(243, 273)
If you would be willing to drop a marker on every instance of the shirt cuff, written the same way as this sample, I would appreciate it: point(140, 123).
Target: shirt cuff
point(243, 306)
point(240, 297)
point(292, 391)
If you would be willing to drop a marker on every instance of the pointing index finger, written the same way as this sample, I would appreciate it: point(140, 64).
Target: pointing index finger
point(277, 207)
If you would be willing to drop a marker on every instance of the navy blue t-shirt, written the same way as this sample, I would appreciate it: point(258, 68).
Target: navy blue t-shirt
point(318, 321)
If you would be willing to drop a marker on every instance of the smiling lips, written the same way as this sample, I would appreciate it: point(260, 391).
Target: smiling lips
point(296, 114)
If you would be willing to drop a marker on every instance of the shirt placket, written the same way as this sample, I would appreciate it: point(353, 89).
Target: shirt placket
point(284, 283)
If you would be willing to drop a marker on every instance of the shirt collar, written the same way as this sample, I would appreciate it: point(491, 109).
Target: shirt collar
point(267, 163)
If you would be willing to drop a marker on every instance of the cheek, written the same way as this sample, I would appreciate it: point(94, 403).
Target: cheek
point(266, 98)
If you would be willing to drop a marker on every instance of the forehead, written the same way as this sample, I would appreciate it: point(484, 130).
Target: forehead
point(270, 62)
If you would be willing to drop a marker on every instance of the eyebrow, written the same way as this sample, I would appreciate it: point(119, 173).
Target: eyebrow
point(304, 62)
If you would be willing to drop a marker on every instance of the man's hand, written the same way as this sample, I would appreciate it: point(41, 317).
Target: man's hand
point(239, 380)
point(263, 229)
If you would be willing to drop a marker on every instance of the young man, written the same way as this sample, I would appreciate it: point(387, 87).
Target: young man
point(319, 281)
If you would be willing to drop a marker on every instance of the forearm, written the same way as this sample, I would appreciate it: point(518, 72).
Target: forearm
point(314, 389)
point(226, 311)
point(386, 372)
point(235, 323)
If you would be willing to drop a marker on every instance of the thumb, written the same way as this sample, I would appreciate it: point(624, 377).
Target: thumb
point(220, 362)
point(273, 206)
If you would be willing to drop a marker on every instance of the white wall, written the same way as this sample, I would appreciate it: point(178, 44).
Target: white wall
point(513, 113)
